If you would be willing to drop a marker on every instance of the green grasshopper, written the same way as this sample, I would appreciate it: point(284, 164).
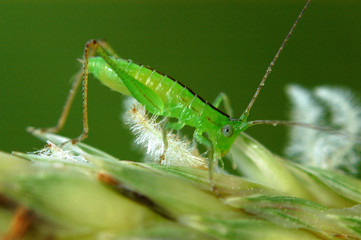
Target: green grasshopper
point(163, 96)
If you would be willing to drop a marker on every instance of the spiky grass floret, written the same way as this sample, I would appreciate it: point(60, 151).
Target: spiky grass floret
point(149, 135)
point(53, 151)
point(328, 106)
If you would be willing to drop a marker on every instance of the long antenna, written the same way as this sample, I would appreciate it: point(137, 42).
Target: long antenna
point(328, 130)
point(269, 69)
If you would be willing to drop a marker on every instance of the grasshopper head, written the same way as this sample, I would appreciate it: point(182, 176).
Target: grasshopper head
point(227, 134)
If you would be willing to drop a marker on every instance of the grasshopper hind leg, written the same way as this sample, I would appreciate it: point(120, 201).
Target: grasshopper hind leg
point(81, 76)
point(89, 51)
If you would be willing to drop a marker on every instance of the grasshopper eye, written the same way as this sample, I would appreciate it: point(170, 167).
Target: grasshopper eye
point(227, 131)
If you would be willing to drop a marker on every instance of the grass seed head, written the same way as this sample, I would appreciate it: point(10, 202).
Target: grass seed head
point(149, 135)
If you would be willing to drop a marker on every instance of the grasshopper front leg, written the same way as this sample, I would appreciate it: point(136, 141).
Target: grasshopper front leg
point(211, 157)
point(172, 125)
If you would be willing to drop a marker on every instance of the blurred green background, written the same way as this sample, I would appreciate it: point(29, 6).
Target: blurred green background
point(210, 46)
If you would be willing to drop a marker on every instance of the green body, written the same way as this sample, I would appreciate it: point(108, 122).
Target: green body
point(164, 96)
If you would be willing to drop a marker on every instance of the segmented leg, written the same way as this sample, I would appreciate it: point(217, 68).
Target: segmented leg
point(172, 125)
point(227, 104)
point(90, 45)
point(212, 159)
point(202, 139)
